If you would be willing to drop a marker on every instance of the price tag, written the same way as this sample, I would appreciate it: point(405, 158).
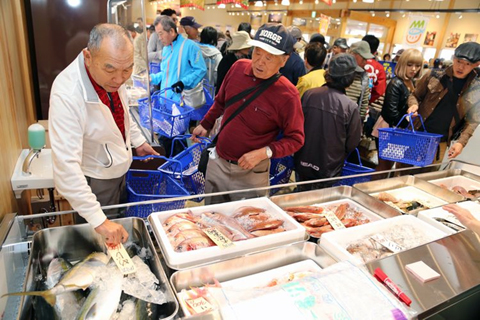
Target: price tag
point(199, 305)
point(122, 259)
point(334, 221)
point(389, 244)
point(219, 238)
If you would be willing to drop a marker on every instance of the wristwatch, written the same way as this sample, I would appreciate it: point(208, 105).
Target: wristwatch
point(269, 152)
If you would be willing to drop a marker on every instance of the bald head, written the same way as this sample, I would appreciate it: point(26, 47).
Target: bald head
point(109, 56)
point(119, 37)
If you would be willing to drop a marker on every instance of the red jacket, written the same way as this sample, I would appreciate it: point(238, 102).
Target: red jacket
point(277, 109)
point(377, 75)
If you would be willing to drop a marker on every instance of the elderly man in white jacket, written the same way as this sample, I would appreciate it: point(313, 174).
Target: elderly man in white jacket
point(91, 131)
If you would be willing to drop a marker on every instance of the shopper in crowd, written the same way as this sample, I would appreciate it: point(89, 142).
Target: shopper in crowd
point(317, 37)
point(221, 39)
point(387, 57)
point(339, 46)
point(155, 45)
point(239, 49)
point(132, 30)
point(359, 91)
point(448, 100)
point(314, 57)
point(375, 71)
point(211, 55)
point(191, 27)
point(245, 145)
point(243, 26)
point(332, 125)
point(139, 26)
point(140, 51)
point(192, 66)
point(91, 131)
point(438, 64)
point(395, 105)
point(295, 67)
point(464, 216)
point(398, 55)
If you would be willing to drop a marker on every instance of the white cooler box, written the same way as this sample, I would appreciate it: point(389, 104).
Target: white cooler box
point(336, 243)
point(180, 260)
point(429, 216)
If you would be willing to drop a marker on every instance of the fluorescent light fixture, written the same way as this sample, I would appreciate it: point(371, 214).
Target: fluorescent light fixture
point(258, 4)
point(368, 1)
point(222, 5)
point(285, 2)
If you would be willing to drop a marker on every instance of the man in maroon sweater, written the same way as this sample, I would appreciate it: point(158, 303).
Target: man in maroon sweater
point(244, 147)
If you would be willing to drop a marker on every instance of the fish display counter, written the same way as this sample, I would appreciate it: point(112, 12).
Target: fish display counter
point(271, 257)
point(462, 182)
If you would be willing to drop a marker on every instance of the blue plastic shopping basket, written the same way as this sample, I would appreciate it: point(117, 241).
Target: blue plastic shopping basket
point(170, 118)
point(280, 172)
point(145, 185)
point(407, 145)
point(199, 113)
point(186, 172)
point(351, 169)
point(154, 67)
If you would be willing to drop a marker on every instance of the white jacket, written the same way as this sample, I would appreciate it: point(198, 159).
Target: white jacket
point(86, 140)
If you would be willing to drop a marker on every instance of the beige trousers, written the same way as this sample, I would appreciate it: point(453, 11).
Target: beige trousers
point(225, 176)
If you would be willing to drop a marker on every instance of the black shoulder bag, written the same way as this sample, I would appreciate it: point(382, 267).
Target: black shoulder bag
point(202, 165)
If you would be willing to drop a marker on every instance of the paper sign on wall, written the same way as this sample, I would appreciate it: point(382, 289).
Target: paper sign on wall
point(416, 29)
point(323, 24)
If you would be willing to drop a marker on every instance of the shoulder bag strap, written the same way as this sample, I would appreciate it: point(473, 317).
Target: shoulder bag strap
point(261, 88)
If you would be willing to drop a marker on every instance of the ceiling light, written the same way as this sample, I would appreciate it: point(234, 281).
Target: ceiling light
point(258, 4)
point(437, 16)
point(316, 1)
point(300, 2)
point(461, 16)
point(403, 15)
point(74, 3)
point(285, 2)
point(222, 6)
point(368, 1)
point(388, 14)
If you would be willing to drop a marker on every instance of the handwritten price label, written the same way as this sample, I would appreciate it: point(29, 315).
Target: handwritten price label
point(122, 259)
point(199, 305)
point(334, 221)
point(389, 244)
point(219, 238)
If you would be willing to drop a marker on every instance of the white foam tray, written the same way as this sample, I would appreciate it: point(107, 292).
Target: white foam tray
point(336, 243)
point(450, 182)
point(411, 193)
point(180, 260)
point(429, 215)
point(258, 280)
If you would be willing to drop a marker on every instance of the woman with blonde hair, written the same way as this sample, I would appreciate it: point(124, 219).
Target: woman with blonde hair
point(407, 70)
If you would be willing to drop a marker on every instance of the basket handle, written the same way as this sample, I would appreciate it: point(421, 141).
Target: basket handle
point(410, 123)
point(358, 155)
point(203, 140)
point(177, 162)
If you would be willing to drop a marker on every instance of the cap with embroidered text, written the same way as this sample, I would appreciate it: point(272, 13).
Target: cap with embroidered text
point(274, 39)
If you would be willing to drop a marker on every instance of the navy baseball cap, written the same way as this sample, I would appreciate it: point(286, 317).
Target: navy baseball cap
point(190, 21)
point(274, 38)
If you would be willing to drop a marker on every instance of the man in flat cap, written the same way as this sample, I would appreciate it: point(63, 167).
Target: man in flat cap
point(339, 46)
point(449, 100)
point(241, 159)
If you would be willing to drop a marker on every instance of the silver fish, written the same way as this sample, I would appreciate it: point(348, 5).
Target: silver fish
point(81, 276)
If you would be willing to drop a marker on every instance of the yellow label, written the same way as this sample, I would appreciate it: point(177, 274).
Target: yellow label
point(199, 305)
point(122, 259)
point(334, 221)
point(219, 238)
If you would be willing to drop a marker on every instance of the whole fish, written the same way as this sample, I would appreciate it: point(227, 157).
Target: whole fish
point(194, 244)
point(212, 219)
point(81, 276)
point(247, 211)
point(260, 233)
point(180, 226)
point(102, 302)
point(266, 225)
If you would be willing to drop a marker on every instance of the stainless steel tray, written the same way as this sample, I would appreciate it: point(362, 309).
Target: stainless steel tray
point(332, 194)
point(446, 174)
point(75, 243)
point(248, 265)
point(400, 182)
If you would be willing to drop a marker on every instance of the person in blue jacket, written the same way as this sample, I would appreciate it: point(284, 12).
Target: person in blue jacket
point(178, 52)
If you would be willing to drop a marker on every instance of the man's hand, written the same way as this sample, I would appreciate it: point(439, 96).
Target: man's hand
point(113, 233)
point(198, 131)
point(250, 159)
point(455, 150)
point(145, 149)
